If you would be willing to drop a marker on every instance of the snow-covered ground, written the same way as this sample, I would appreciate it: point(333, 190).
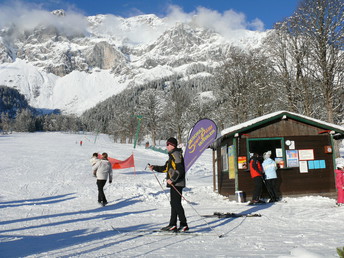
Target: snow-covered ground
point(48, 208)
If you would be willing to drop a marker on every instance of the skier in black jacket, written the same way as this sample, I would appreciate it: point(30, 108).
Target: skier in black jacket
point(174, 167)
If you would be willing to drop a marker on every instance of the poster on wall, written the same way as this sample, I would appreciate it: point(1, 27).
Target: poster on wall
point(307, 154)
point(303, 167)
point(279, 161)
point(316, 164)
point(279, 152)
point(292, 158)
point(242, 162)
point(231, 161)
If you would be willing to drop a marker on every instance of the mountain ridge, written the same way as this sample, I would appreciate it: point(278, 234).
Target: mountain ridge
point(56, 66)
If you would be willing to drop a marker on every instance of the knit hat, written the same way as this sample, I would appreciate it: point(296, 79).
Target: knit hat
point(267, 154)
point(172, 141)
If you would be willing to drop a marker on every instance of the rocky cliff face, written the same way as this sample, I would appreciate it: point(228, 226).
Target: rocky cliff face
point(129, 51)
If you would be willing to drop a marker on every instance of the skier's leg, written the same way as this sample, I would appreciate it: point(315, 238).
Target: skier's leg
point(180, 209)
point(174, 196)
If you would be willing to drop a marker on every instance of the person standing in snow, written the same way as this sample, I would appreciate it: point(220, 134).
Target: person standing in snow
point(103, 170)
point(270, 167)
point(340, 184)
point(256, 172)
point(93, 161)
point(175, 175)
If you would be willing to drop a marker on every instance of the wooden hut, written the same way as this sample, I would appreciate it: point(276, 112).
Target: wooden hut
point(302, 147)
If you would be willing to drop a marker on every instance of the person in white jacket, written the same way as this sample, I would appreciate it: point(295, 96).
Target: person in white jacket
point(103, 170)
point(270, 167)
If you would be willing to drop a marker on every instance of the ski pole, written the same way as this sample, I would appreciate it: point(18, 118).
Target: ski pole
point(159, 183)
point(219, 235)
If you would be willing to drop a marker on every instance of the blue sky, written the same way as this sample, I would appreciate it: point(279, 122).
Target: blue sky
point(266, 11)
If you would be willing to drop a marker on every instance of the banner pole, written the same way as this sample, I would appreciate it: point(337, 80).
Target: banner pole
point(134, 164)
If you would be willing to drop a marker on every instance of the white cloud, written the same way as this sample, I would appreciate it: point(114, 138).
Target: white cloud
point(28, 16)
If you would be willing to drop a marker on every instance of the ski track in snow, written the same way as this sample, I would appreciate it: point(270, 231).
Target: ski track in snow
point(48, 208)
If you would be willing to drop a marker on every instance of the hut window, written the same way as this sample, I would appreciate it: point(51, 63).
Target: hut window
point(224, 158)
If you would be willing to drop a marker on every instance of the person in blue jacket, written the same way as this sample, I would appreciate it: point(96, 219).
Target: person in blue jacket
point(270, 167)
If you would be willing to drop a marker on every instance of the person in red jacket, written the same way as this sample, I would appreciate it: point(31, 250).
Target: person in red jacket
point(340, 184)
point(256, 171)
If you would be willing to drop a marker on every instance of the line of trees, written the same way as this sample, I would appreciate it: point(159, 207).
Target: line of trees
point(17, 115)
point(28, 121)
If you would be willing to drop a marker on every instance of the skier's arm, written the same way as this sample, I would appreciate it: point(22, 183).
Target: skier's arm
point(95, 166)
point(110, 177)
point(160, 169)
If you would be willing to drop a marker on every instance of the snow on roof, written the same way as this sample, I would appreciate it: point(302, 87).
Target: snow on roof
point(276, 114)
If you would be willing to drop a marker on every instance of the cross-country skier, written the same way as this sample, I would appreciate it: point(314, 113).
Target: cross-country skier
point(175, 169)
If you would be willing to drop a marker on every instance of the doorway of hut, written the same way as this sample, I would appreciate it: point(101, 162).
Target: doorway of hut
point(261, 145)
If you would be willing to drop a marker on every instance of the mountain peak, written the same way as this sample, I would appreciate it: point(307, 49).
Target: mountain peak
point(59, 12)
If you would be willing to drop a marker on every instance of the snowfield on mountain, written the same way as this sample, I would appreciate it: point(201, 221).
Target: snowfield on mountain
point(48, 208)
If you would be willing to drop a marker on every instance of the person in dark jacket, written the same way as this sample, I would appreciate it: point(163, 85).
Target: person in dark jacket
point(256, 171)
point(175, 178)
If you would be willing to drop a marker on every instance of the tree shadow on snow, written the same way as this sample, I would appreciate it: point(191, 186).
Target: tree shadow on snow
point(37, 201)
point(17, 245)
point(141, 172)
point(96, 214)
point(22, 246)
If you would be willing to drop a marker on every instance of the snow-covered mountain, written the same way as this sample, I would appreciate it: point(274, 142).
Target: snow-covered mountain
point(71, 62)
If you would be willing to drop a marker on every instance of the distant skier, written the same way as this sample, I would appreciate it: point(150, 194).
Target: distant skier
point(340, 183)
point(270, 167)
point(103, 172)
point(175, 169)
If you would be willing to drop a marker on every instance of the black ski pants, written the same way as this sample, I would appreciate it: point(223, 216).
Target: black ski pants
point(271, 185)
point(177, 209)
point(101, 195)
point(258, 186)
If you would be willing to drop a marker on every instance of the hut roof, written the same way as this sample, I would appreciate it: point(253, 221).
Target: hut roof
point(337, 129)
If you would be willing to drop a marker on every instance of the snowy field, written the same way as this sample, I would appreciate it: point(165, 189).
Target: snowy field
point(48, 208)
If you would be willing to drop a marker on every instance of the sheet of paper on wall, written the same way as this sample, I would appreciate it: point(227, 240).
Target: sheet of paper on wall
point(279, 152)
point(303, 167)
point(292, 145)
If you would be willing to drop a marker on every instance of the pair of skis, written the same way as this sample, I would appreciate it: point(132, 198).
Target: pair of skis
point(155, 232)
point(222, 215)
